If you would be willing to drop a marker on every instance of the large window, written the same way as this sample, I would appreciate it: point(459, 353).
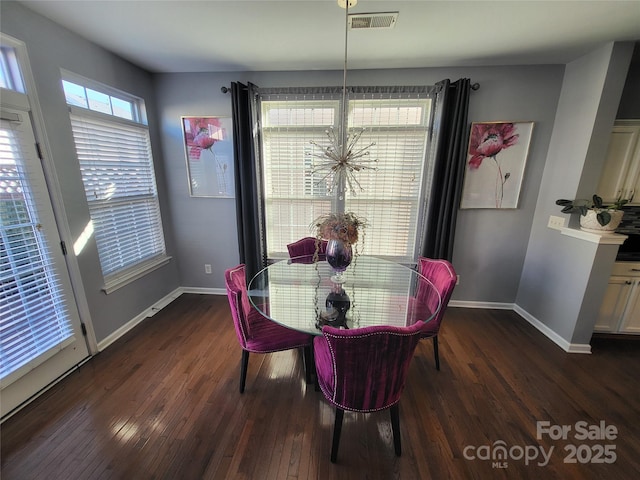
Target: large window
point(114, 152)
point(391, 199)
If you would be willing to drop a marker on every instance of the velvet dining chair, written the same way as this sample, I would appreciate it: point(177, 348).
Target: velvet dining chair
point(364, 370)
point(443, 276)
point(256, 333)
point(305, 248)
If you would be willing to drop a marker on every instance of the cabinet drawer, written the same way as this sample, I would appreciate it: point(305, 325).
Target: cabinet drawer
point(626, 269)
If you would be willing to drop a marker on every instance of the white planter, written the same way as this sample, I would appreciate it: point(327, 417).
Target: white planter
point(589, 222)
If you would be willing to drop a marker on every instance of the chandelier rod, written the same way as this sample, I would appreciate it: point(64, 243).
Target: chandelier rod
point(343, 119)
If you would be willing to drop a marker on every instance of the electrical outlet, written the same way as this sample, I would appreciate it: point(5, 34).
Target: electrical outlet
point(556, 222)
point(207, 268)
point(458, 280)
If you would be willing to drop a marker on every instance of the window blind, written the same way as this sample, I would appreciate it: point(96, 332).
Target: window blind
point(117, 171)
point(34, 321)
point(392, 199)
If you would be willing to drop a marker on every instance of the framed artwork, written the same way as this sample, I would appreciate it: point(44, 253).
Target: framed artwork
point(208, 147)
point(495, 163)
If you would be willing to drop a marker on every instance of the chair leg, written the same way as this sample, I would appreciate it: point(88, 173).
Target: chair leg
point(395, 428)
point(435, 352)
point(337, 428)
point(308, 364)
point(314, 372)
point(243, 369)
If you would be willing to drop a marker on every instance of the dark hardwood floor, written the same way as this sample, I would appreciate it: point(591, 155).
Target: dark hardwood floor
point(163, 403)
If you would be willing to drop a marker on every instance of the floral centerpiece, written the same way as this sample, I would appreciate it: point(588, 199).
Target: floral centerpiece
point(339, 226)
point(341, 230)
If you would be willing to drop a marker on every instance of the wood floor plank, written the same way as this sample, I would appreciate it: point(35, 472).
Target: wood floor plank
point(163, 403)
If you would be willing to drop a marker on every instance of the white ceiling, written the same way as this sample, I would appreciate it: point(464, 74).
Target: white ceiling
point(266, 35)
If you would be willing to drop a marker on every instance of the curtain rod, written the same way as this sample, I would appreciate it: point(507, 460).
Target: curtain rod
point(474, 86)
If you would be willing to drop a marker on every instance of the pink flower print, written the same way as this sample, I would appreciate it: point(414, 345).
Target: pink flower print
point(489, 139)
point(203, 140)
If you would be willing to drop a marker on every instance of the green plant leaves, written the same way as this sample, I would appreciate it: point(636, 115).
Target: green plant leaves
point(603, 217)
point(597, 202)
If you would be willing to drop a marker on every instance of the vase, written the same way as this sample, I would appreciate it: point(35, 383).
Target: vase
point(339, 255)
point(589, 222)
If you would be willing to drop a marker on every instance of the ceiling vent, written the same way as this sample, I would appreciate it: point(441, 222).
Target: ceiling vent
point(366, 21)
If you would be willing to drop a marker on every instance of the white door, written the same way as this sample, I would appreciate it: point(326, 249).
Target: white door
point(40, 330)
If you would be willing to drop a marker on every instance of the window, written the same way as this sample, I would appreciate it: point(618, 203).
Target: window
point(115, 158)
point(10, 77)
point(391, 199)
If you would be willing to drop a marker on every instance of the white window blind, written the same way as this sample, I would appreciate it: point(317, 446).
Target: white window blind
point(391, 199)
point(117, 171)
point(34, 322)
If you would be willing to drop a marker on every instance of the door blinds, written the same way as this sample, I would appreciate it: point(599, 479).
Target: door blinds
point(34, 322)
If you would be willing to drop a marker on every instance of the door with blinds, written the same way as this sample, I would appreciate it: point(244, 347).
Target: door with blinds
point(40, 328)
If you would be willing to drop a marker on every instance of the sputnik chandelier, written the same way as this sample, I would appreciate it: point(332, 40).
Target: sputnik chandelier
point(342, 159)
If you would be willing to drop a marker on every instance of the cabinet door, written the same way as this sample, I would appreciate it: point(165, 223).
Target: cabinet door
point(633, 181)
point(619, 168)
point(631, 321)
point(613, 306)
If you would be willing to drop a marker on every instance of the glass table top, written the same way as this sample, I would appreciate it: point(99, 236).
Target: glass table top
point(301, 295)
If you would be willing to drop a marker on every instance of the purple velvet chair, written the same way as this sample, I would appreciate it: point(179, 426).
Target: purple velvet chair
point(443, 276)
point(256, 333)
point(364, 370)
point(306, 248)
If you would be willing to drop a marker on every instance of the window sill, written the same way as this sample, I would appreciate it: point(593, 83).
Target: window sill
point(124, 278)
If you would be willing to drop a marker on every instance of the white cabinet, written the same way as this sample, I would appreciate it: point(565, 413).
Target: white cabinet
point(621, 174)
point(620, 310)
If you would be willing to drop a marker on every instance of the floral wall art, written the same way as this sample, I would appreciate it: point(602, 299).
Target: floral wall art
point(209, 151)
point(495, 164)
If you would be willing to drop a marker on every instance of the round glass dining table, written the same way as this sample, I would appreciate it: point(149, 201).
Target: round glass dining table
point(299, 293)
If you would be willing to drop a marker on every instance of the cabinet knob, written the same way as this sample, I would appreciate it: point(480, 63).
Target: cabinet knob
point(628, 282)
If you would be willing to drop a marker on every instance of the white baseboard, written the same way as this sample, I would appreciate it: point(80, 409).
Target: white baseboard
point(550, 334)
point(490, 305)
point(553, 336)
point(149, 312)
point(204, 291)
point(163, 302)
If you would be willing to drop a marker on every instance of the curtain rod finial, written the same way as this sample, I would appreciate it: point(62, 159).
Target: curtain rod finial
point(224, 89)
point(475, 86)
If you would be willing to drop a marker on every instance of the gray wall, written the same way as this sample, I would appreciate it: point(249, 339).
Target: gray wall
point(488, 259)
point(51, 48)
point(562, 274)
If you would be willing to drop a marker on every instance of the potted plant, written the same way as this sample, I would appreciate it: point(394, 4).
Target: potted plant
point(594, 215)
